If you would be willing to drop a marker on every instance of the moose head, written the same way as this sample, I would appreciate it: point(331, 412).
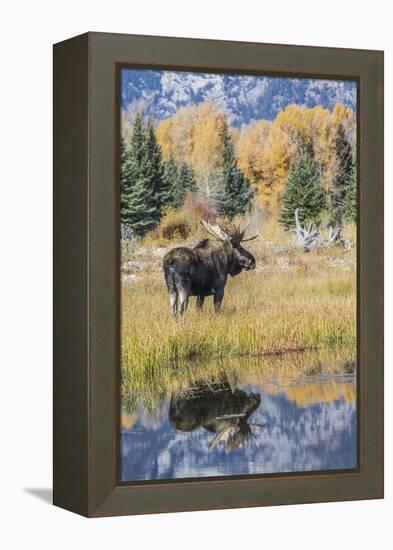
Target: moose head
point(234, 236)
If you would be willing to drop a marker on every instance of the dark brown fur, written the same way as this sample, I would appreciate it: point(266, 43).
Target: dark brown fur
point(203, 271)
point(218, 409)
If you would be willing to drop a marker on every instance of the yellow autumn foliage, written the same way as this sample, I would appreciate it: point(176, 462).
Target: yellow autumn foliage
point(194, 135)
point(264, 148)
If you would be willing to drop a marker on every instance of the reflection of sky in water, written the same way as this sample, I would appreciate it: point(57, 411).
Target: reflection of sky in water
point(295, 437)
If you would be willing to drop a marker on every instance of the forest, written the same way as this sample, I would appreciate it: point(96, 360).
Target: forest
point(305, 158)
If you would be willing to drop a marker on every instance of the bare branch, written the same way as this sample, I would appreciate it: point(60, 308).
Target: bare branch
point(306, 237)
point(334, 236)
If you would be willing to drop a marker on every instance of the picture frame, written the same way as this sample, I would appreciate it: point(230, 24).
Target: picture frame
point(87, 275)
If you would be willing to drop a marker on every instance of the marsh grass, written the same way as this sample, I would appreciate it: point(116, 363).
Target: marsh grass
point(298, 374)
point(293, 302)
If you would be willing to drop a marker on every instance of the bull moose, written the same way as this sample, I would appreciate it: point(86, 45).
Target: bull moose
point(202, 270)
point(218, 409)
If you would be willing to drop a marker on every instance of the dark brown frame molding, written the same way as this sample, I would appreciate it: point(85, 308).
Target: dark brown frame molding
point(86, 274)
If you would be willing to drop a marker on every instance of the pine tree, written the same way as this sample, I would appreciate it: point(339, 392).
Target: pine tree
point(155, 156)
point(301, 191)
point(237, 193)
point(139, 208)
point(169, 182)
point(350, 200)
point(125, 177)
point(185, 182)
point(187, 178)
point(338, 190)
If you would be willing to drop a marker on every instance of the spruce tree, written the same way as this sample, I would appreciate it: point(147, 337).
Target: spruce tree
point(186, 178)
point(338, 189)
point(350, 200)
point(185, 182)
point(139, 205)
point(125, 177)
point(301, 191)
point(237, 193)
point(169, 182)
point(155, 156)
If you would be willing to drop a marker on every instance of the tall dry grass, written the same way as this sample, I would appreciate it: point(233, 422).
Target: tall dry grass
point(310, 376)
point(292, 302)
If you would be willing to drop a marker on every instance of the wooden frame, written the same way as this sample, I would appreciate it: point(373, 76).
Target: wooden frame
point(86, 275)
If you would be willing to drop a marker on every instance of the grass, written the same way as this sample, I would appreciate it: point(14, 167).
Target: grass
point(293, 302)
point(298, 374)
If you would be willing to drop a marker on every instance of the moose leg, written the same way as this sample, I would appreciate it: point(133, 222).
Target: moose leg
point(218, 297)
point(170, 278)
point(173, 302)
point(199, 301)
point(184, 294)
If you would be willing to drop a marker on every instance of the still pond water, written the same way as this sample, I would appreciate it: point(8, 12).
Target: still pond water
point(224, 427)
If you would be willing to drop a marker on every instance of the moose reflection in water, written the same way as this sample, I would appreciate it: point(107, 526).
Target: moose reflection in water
point(218, 409)
point(277, 415)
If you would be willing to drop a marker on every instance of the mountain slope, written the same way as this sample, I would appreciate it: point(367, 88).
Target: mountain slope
point(244, 98)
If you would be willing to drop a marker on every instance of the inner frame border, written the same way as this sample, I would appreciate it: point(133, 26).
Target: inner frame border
point(134, 66)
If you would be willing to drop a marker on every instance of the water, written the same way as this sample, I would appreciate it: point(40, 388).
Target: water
point(242, 425)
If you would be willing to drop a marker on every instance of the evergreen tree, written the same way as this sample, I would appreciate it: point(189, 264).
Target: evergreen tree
point(176, 182)
point(169, 182)
point(301, 191)
point(139, 209)
point(187, 178)
point(155, 156)
point(125, 178)
point(185, 182)
point(350, 200)
point(237, 193)
point(344, 170)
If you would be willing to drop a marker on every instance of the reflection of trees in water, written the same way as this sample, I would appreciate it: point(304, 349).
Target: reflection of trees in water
point(305, 393)
point(127, 419)
point(152, 392)
point(218, 409)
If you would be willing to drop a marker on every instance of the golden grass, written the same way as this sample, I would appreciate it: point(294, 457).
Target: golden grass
point(300, 375)
point(292, 302)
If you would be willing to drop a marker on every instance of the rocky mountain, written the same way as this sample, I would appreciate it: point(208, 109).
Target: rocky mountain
point(244, 98)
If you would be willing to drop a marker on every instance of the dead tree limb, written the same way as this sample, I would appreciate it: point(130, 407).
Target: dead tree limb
point(306, 238)
point(311, 238)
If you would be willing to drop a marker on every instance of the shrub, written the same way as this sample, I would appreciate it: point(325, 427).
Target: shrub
point(197, 208)
point(174, 225)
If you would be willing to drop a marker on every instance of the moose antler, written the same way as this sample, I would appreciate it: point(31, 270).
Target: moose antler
point(215, 231)
point(305, 237)
point(242, 232)
point(250, 238)
point(220, 234)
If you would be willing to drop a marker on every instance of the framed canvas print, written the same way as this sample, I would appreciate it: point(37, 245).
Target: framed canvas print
point(218, 274)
